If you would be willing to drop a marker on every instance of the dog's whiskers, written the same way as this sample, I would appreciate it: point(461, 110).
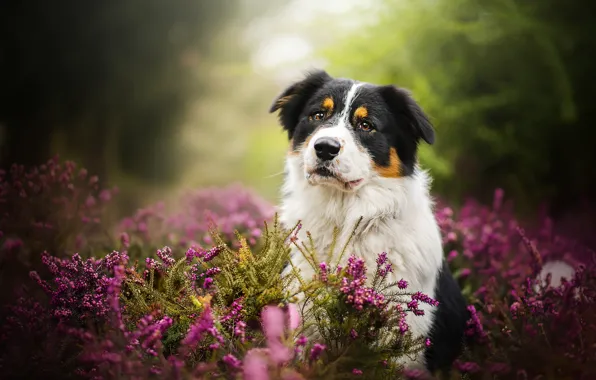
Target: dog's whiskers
point(274, 175)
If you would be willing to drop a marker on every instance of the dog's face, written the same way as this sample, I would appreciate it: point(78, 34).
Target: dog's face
point(345, 133)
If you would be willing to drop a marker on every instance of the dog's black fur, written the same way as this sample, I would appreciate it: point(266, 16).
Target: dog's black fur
point(397, 121)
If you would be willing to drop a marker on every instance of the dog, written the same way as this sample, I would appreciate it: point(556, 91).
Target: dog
point(353, 155)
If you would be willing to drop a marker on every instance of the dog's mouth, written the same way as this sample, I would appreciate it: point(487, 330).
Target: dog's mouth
point(326, 174)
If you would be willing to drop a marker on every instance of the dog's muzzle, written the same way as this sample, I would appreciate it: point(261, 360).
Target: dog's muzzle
point(327, 148)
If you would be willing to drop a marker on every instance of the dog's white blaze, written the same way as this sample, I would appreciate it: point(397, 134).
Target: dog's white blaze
point(352, 163)
point(345, 113)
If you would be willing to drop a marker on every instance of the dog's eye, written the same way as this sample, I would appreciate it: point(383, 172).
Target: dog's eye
point(365, 126)
point(319, 115)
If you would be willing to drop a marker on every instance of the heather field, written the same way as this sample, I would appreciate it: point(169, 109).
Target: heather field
point(149, 248)
point(192, 290)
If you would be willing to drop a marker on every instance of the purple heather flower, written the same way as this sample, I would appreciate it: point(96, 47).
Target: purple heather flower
point(234, 313)
point(316, 351)
point(424, 298)
point(302, 341)
point(357, 372)
point(465, 273)
point(402, 284)
point(207, 283)
point(212, 271)
point(210, 254)
point(412, 374)
point(474, 325)
point(386, 270)
point(354, 289)
point(323, 270)
point(149, 334)
point(413, 304)
point(240, 331)
point(452, 255)
point(381, 259)
point(85, 289)
point(232, 362)
point(228, 210)
point(403, 325)
point(514, 309)
point(152, 264)
point(165, 255)
point(203, 325)
point(470, 367)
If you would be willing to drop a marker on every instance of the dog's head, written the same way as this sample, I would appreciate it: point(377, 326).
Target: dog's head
point(346, 133)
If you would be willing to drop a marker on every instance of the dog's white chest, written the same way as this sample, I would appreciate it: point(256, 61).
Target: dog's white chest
point(396, 218)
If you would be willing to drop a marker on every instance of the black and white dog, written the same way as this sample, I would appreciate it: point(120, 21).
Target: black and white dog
point(354, 154)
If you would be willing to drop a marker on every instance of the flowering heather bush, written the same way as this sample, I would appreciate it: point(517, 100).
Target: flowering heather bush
point(220, 309)
point(231, 209)
point(521, 327)
point(53, 207)
point(79, 289)
point(217, 312)
point(361, 323)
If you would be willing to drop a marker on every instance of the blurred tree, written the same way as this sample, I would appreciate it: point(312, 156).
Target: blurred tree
point(508, 83)
point(107, 82)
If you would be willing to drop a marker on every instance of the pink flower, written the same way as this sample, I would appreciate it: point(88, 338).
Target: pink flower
point(255, 366)
point(294, 315)
point(273, 325)
point(273, 322)
point(232, 361)
point(317, 350)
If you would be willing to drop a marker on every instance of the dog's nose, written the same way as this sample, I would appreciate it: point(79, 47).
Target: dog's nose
point(327, 148)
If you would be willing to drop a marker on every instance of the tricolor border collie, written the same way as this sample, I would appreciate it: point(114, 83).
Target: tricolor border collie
point(353, 154)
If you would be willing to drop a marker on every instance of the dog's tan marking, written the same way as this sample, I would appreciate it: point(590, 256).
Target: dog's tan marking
point(328, 104)
point(361, 112)
point(393, 169)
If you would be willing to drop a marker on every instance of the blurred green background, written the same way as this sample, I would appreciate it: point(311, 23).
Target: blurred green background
point(161, 96)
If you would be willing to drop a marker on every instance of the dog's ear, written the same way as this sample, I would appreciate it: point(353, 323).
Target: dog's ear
point(407, 111)
point(292, 100)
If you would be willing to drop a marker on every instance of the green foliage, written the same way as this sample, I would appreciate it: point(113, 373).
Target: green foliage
point(364, 334)
point(175, 290)
point(254, 275)
point(504, 82)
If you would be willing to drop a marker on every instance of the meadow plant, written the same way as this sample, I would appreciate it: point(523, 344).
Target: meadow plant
point(54, 207)
point(521, 326)
point(203, 296)
point(233, 209)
